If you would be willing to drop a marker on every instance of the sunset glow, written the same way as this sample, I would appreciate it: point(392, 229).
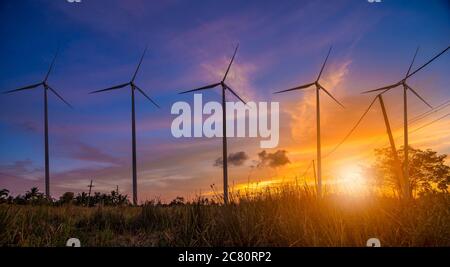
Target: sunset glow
point(372, 47)
point(224, 132)
point(352, 180)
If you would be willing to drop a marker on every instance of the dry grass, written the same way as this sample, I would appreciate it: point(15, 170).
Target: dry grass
point(284, 217)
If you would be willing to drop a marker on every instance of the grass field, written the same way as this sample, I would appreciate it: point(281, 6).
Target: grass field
point(283, 217)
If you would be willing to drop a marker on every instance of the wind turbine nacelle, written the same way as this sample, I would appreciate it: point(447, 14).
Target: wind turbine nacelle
point(240, 117)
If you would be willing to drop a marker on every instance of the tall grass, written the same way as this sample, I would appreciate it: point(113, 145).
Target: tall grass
point(287, 216)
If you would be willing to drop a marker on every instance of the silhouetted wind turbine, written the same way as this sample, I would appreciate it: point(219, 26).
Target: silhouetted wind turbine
point(224, 120)
point(46, 87)
point(133, 87)
point(406, 87)
point(319, 147)
point(397, 165)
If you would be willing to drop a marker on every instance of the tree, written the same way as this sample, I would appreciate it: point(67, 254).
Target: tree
point(178, 201)
point(427, 170)
point(82, 199)
point(33, 196)
point(122, 200)
point(67, 198)
point(19, 200)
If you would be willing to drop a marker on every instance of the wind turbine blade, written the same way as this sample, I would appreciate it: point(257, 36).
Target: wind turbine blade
point(59, 96)
point(143, 93)
point(201, 88)
point(412, 62)
point(330, 95)
point(382, 88)
point(296, 88)
point(231, 62)
point(235, 94)
point(23, 88)
point(110, 88)
point(51, 65)
point(139, 65)
point(429, 61)
point(429, 112)
point(423, 100)
point(325, 62)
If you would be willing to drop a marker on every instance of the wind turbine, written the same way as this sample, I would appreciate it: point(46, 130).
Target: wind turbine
point(397, 164)
point(133, 87)
point(46, 87)
point(319, 147)
point(225, 87)
point(406, 87)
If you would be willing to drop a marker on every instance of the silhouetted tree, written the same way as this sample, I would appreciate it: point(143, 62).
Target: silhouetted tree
point(427, 170)
point(67, 198)
point(33, 196)
point(81, 199)
point(20, 200)
point(177, 201)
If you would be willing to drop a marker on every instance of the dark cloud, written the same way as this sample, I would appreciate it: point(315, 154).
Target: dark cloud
point(234, 159)
point(273, 160)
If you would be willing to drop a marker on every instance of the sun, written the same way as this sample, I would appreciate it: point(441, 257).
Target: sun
point(351, 180)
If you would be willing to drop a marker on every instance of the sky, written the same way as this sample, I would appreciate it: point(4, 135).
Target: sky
point(281, 45)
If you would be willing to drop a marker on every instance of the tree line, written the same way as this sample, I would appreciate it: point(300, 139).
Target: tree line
point(35, 197)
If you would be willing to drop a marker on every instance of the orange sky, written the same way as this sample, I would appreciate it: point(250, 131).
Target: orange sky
point(281, 46)
point(298, 134)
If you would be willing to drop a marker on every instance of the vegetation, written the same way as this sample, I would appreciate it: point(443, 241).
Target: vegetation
point(34, 197)
point(428, 172)
point(288, 215)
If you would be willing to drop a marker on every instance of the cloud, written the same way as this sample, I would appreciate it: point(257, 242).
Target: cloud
point(234, 159)
point(23, 168)
point(20, 176)
point(82, 151)
point(301, 113)
point(239, 77)
point(337, 74)
point(96, 17)
point(273, 160)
